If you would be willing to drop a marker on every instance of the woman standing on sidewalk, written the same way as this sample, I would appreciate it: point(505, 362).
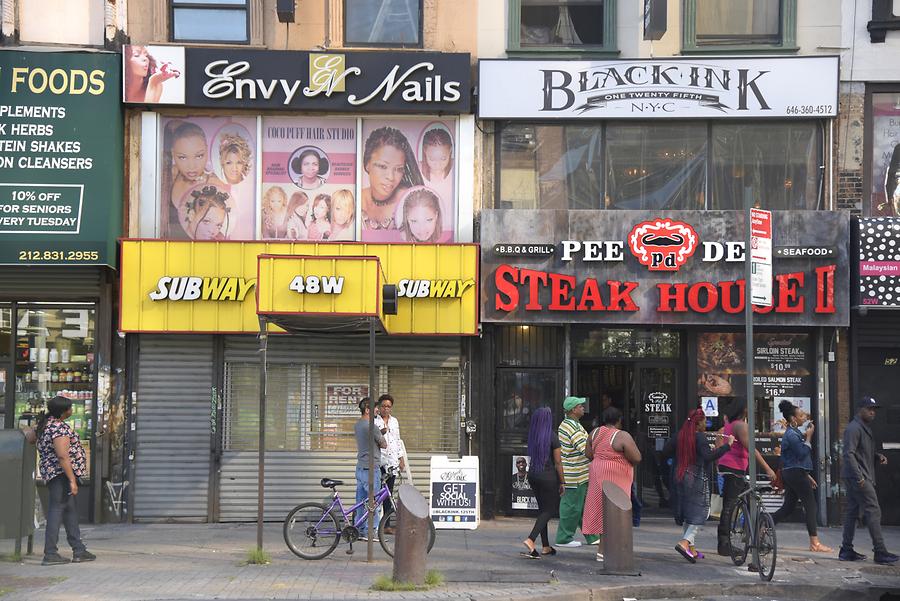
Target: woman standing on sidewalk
point(692, 480)
point(546, 478)
point(613, 454)
point(733, 467)
point(796, 455)
point(62, 463)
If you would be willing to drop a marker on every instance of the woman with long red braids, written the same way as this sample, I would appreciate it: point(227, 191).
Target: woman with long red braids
point(694, 457)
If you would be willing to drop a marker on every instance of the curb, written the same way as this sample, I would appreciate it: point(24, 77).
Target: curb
point(805, 592)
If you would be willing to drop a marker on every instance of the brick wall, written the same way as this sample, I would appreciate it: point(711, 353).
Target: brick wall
point(849, 142)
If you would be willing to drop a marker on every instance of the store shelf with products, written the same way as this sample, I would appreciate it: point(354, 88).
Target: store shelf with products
point(54, 356)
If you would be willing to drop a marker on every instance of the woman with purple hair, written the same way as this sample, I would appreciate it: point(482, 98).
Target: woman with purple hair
point(545, 475)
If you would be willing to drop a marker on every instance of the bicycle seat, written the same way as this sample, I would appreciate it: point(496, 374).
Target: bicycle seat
point(329, 483)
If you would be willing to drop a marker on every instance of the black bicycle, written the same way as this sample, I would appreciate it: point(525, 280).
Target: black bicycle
point(753, 530)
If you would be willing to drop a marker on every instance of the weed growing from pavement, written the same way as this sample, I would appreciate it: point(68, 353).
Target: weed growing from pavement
point(6, 591)
point(11, 557)
point(386, 584)
point(257, 556)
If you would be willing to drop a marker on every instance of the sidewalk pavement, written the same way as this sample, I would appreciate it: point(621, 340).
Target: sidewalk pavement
point(205, 561)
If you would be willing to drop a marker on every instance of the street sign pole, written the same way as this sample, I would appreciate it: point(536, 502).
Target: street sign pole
point(757, 290)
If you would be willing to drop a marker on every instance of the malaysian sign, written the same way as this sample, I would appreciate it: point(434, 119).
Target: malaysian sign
point(396, 82)
point(715, 88)
point(60, 158)
point(638, 267)
point(877, 240)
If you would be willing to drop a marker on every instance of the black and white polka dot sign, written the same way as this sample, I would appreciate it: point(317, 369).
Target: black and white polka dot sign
point(879, 262)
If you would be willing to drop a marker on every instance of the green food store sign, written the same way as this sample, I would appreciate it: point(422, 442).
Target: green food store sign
point(61, 148)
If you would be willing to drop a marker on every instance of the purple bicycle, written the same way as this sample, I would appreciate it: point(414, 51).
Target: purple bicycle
point(313, 530)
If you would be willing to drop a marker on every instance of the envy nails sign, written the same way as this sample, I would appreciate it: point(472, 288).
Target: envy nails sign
point(334, 81)
point(685, 268)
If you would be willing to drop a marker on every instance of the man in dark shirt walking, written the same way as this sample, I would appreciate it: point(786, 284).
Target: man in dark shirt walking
point(858, 473)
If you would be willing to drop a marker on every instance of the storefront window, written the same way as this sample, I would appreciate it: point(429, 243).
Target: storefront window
point(308, 188)
point(5, 345)
point(588, 343)
point(55, 356)
point(549, 167)
point(884, 170)
point(782, 370)
point(521, 394)
point(738, 22)
point(555, 23)
point(315, 407)
point(778, 164)
point(661, 165)
point(655, 165)
point(383, 23)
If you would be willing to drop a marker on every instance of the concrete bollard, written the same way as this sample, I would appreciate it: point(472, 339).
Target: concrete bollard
point(618, 540)
point(411, 538)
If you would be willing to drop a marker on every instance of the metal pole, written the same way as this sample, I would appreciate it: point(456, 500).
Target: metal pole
point(749, 354)
point(371, 500)
point(261, 475)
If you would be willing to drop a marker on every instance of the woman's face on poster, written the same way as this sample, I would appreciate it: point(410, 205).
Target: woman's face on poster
point(233, 167)
point(139, 61)
point(437, 158)
point(211, 224)
point(320, 210)
point(386, 168)
point(309, 168)
point(343, 211)
point(189, 155)
point(421, 220)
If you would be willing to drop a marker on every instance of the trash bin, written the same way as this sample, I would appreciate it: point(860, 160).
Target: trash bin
point(17, 465)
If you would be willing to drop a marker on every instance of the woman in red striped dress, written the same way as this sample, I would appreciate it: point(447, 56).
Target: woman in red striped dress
point(613, 454)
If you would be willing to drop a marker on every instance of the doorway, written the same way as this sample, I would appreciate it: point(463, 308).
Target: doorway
point(645, 393)
point(879, 377)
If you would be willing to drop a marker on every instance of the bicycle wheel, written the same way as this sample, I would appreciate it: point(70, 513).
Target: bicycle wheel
point(767, 545)
point(389, 522)
point(739, 534)
point(310, 531)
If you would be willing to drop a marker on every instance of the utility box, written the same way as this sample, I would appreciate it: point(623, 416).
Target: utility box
point(17, 465)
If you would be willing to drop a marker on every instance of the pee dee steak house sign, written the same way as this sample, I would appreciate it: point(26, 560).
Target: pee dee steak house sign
point(643, 267)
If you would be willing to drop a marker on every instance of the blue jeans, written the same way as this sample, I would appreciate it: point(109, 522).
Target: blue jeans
point(61, 511)
point(362, 494)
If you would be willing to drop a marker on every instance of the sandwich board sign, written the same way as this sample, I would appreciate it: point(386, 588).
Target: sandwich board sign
point(454, 492)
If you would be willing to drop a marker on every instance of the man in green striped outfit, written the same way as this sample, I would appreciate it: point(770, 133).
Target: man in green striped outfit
point(572, 440)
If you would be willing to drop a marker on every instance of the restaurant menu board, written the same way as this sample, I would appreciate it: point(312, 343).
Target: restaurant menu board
point(782, 369)
point(61, 146)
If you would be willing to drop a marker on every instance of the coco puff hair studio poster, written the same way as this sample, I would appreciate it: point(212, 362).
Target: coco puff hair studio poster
point(309, 179)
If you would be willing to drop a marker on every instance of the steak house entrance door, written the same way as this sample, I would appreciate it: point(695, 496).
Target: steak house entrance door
point(645, 393)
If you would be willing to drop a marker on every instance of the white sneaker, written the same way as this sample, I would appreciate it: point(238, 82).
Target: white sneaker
point(599, 556)
point(571, 543)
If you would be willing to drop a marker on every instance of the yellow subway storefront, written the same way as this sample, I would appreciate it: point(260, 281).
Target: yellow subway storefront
point(190, 312)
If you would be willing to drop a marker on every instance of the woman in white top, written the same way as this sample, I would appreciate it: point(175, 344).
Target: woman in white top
point(392, 457)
